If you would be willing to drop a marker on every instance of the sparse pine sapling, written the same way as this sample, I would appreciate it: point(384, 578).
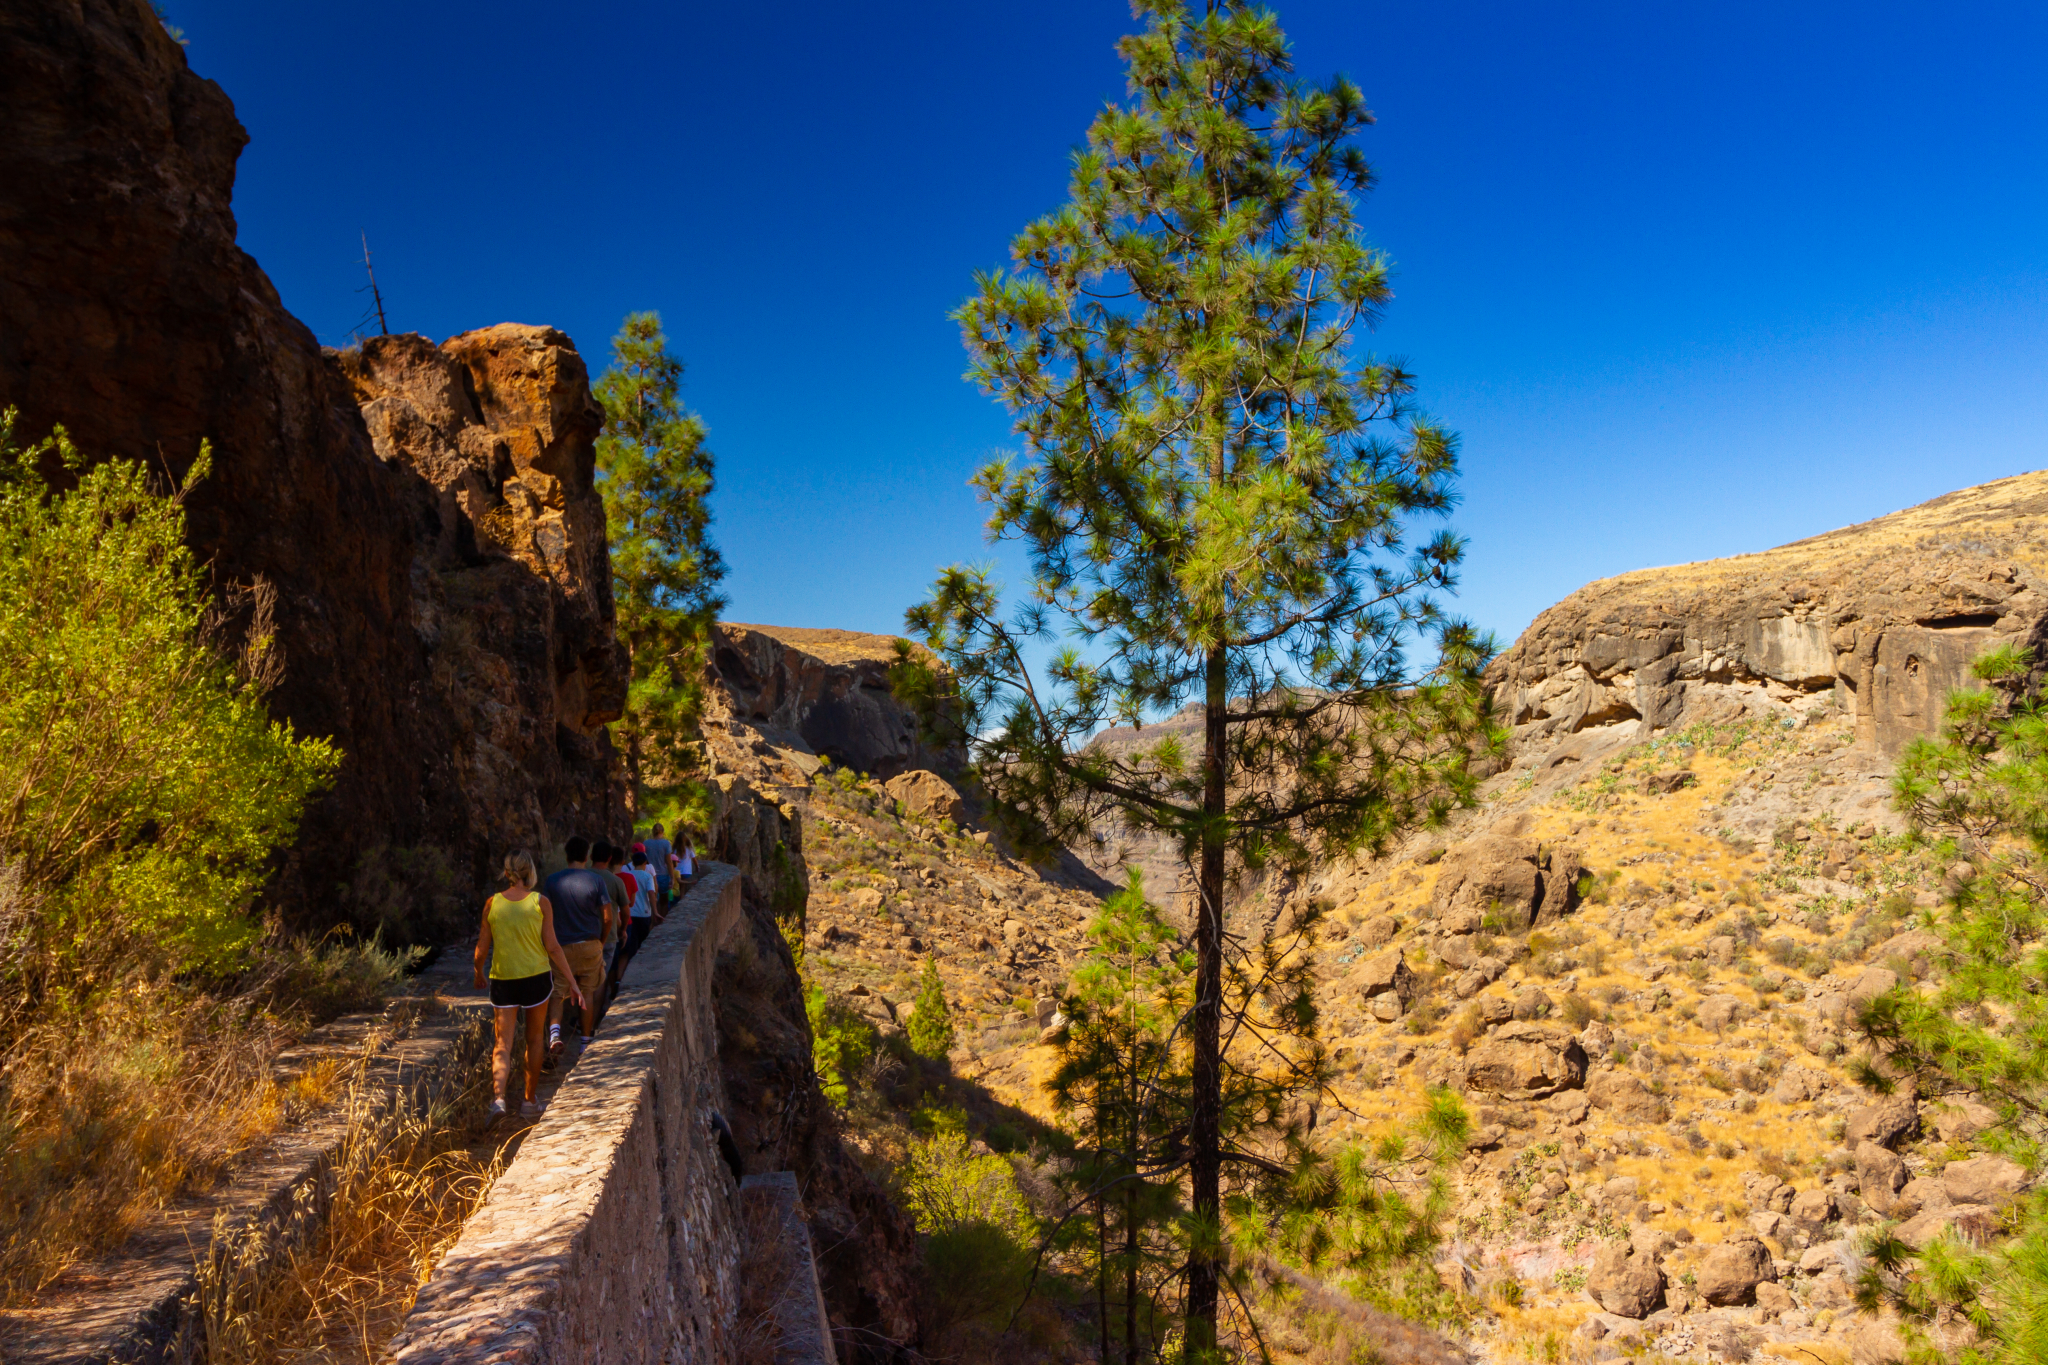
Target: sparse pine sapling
point(931, 1022)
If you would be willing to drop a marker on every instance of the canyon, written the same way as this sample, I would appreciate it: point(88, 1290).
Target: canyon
point(1635, 956)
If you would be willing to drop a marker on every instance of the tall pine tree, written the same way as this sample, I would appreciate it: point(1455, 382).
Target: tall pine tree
point(1216, 496)
point(656, 475)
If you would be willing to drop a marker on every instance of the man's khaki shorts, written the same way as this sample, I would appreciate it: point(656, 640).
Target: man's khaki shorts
point(586, 961)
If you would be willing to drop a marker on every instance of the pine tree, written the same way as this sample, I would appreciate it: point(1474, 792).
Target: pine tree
point(656, 476)
point(1979, 793)
point(931, 1022)
point(1215, 497)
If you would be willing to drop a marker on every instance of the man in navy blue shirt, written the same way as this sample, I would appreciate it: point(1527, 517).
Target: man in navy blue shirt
point(583, 917)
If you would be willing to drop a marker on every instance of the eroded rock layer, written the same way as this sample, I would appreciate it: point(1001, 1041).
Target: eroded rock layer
point(1887, 614)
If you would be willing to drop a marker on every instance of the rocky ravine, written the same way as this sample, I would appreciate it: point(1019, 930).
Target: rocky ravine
point(1635, 959)
point(425, 515)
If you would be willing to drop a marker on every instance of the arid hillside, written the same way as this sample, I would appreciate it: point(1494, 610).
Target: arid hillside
point(1634, 958)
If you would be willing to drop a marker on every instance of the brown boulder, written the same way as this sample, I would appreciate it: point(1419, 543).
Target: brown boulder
point(1971, 1222)
point(1717, 1012)
point(1812, 1208)
point(1519, 881)
point(1729, 1273)
point(926, 794)
point(1386, 973)
point(1625, 1097)
point(1871, 983)
point(1526, 1062)
point(1886, 1122)
point(1629, 1286)
point(1879, 1174)
point(1959, 1120)
point(1983, 1180)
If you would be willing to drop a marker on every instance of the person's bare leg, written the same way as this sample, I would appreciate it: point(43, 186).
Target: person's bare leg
point(506, 1025)
point(536, 1047)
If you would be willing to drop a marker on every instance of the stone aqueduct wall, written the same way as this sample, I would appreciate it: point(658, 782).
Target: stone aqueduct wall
point(616, 1234)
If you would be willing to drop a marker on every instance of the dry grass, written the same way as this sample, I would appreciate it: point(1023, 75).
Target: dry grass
point(404, 1184)
point(111, 1112)
point(1806, 1352)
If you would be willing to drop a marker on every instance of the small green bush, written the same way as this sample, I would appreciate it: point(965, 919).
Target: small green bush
point(147, 784)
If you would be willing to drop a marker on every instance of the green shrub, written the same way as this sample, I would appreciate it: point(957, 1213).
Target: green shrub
point(147, 784)
point(931, 1023)
point(841, 1043)
point(947, 1185)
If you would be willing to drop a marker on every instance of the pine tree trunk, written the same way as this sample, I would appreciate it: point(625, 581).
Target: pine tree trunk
point(1204, 1126)
point(1130, 1275)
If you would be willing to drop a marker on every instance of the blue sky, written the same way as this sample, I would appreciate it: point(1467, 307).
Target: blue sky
point(1690, 280)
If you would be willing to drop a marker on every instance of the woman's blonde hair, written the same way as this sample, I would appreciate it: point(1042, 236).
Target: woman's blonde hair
point(519, 868)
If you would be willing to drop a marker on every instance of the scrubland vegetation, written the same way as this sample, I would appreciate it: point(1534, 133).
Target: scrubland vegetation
point(144, 789)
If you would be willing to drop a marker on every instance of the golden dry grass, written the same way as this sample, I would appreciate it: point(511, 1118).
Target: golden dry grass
point(404, 1184)
point(111, 1112)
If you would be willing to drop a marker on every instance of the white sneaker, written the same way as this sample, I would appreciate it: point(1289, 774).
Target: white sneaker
point(531, 1110)
point(497, 1109)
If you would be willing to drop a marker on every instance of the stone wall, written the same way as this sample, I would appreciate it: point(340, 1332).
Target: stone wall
point(616, 1234)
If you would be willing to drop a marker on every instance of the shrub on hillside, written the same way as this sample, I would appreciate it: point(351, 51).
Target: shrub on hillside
point(147, 785)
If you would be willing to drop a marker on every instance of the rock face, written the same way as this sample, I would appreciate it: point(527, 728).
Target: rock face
point(1526, 1062)
point(1983, 1180)
point(464, 666)
point(1885, 615)
point(824, 692)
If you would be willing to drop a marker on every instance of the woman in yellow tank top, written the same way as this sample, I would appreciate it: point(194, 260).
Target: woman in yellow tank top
point(517, 945)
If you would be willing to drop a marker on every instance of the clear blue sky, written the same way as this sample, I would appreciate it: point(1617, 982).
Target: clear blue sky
point(1690, 280)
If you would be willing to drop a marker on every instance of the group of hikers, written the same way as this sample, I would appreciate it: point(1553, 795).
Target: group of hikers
point(547, 946)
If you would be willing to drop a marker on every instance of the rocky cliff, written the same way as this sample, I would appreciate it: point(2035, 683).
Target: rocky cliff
point(1885, 615)
point(425, 515)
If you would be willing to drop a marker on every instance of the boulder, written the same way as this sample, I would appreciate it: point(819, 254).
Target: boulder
point(1797, 1085)
point(1875, 1341)
point(1625, 1284)
point(1721, 950)
point(924, 793)
point(1518, 880)
point(1625, 1097)
point(1718, 1012)
point(1531, 1004)
point(1959, 1120)
point(1456, 951)
point(1386, 1008)
point(1623, 1189)
point(1729, 1273)
point(1886, 1122)
point(1386, 973)
point(864, 899)
point(1971, 1222)
point(1873, 982)
point(1663, 784)
point(1811, 1209)
point(1493, 1009)
point(1773, 1299)
point(1983, 1180)
point(1921, 1192)
point(1375, 932)
point(1879, 1174)
point(1526, 1062)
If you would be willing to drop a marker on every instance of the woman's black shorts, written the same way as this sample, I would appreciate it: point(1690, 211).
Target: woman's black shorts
point(522, 991)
